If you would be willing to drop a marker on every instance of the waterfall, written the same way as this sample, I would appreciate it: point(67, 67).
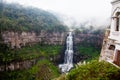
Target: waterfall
point(68, 59)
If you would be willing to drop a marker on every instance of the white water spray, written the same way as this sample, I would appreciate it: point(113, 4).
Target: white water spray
point(68, 59)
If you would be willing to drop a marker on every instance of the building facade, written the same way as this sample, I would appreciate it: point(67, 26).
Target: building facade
point(111, 44)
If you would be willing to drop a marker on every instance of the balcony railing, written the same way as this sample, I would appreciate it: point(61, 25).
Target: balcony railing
point(115, 35)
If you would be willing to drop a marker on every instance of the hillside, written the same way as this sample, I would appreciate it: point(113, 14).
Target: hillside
point(15, 17)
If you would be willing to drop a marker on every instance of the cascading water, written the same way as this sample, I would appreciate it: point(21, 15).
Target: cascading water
point(68, 59)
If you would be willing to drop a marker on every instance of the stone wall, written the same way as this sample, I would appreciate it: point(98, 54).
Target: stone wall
point(108, 47)
point(18, 39)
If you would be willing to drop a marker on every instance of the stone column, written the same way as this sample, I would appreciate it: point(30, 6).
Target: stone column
point(114, 23)
point(115, 56)
point(119, 22)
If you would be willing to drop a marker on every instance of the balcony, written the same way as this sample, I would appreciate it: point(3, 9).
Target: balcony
point(115, 35)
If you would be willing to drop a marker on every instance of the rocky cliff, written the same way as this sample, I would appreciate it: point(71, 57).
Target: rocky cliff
point(19, 39)
point(89, 39)
point(18, 65)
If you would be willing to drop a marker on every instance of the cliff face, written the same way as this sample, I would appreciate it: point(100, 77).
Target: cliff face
point(16, 39)
point(89, 39)
point(18, 65)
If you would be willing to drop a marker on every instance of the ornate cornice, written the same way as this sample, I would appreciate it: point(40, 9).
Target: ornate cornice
point(115, 1)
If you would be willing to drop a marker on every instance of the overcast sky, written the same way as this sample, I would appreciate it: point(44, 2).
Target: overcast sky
point(79, 9)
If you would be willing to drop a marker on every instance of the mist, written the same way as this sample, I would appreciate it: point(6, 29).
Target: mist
point(75, 13)
point(77, 22)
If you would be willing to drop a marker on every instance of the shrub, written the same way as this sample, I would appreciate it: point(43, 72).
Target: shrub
point(95, 71)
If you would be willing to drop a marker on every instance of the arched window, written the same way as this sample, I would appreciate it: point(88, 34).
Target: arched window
point(115, 23)
point(119, 21)
point(111, 47)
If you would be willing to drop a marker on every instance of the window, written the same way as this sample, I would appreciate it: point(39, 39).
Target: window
point(118, 21)
point(111, 47)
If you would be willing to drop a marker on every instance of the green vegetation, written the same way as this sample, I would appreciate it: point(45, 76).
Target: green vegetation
point(37, 51)
point(27, 52)
point(89, 52)
point(43, 70)
point(93, 71)
point(18, 18)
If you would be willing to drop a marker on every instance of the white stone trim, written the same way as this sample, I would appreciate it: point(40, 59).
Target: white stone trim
point(117, 47)
point(115, 11)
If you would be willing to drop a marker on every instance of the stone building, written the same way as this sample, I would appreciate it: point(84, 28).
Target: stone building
point(111, 44)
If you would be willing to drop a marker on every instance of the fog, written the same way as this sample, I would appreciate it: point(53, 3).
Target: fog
point(74, 12)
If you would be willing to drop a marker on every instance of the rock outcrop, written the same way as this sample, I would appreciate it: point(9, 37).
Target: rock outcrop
point(18, 65)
